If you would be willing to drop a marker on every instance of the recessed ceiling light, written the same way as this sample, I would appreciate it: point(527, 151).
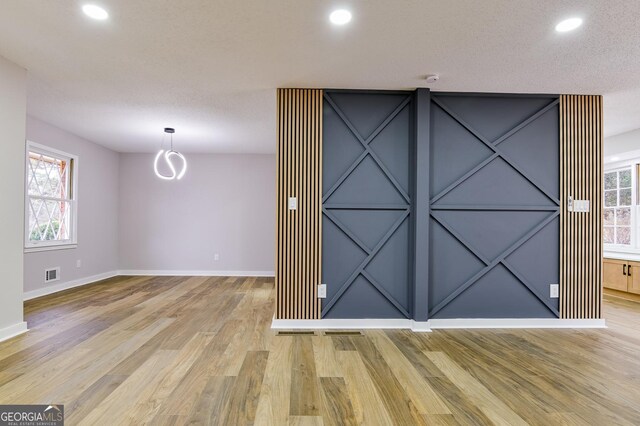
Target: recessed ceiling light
point(95, 12)
point(340, 17)
point(568, 25)
point(615, 158)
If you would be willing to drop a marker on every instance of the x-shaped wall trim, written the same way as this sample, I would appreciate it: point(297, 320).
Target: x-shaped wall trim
point(501, 258)
point(360, 270)
point(367, 149)
point(404, 208)
point(497, 152)
point(490, 264)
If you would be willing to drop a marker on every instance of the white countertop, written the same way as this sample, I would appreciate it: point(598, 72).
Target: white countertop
point(620, 255)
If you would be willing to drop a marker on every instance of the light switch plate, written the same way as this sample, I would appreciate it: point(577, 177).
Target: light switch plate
point(584, 206)
point(554, 291)
point(293, 203)
point(322, 291)
point(579, 206)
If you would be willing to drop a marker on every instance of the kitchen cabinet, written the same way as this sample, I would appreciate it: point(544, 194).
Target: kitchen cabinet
point(621, 275)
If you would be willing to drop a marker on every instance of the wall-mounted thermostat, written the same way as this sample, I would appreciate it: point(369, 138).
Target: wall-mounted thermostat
point(293, 203)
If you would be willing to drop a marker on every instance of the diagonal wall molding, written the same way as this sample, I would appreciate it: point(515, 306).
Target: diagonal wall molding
point(403, 208)
point(360, 268)
point(367, 149)
point(498, 260)
point(498, 153)
point(440, 212)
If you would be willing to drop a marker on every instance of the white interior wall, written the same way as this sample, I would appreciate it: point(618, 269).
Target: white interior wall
point(13, 109)
point(131, 222)
point(622, 147)
point(224, 205)
point(97, 248)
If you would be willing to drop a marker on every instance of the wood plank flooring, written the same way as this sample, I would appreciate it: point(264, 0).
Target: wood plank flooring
point(198, 350)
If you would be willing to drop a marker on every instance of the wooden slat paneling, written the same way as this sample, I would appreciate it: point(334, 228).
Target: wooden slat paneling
point(299, 232)
point(581, 233)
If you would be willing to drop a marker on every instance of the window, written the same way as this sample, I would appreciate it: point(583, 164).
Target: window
point(50, 205)
point(620, 208)
point(618, 196)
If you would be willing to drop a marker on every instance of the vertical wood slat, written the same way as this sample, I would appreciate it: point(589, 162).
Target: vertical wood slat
point(581, 162)
point(298, 232)
point(318, 198)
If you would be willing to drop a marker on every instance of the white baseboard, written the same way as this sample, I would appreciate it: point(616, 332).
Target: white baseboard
point(435, 324)
point(196, 273)
point(515, 323)
point(67, 285)
point(12, 331)
point(344, 324)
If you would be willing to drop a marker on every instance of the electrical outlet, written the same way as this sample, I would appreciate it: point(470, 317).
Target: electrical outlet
point(293, 203)
point(79, 263)
point(322, 291)
point(216, 257)
point(554, 291)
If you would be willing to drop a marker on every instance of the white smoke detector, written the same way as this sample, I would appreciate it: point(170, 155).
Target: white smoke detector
point(432, 78)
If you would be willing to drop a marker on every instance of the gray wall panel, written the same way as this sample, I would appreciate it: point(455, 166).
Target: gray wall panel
point(341, 153)
point(493, 115)
point(535, 145)
point(497, 183)
point(494, 246)
point(361, 300)
point(367, 253)
point(389, 267)
point(456, 149)
point(366, 110)
point(537, 260)
point(497, 295)
point(366, 184)
point(445, 278)
point(339, 263)
point(368, 225)
point(392, 147)
point(490, 166)
point(491, 232)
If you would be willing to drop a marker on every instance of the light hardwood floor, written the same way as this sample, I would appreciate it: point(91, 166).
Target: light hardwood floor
point(196, 350)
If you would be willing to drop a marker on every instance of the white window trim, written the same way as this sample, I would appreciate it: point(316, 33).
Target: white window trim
point(30, 247)
point(634, 248)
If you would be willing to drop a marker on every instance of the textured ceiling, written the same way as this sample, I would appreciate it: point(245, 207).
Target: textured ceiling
point(210, 68)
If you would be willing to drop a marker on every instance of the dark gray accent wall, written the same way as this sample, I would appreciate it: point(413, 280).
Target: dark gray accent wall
point(494, 228)
point(366, 204)
point(440, 205)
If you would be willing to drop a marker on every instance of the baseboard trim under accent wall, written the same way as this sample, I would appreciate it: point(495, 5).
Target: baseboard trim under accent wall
point(68, 284)
point(197, 273)
point(342, 324)
point(436, 324)
point(446, 323)
point(13, 331)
